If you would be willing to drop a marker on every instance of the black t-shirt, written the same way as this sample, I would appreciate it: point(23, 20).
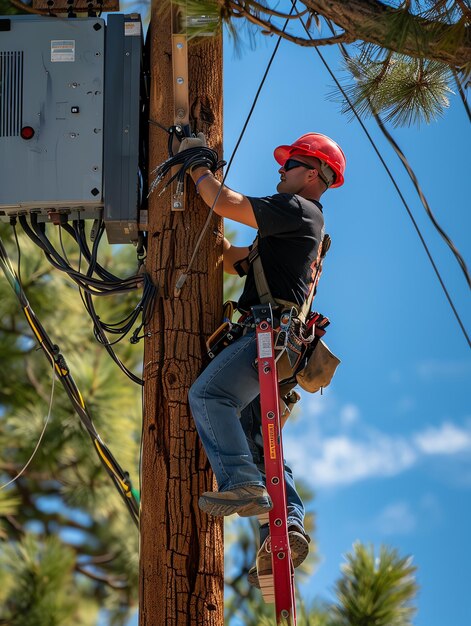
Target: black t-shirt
point(290, 230)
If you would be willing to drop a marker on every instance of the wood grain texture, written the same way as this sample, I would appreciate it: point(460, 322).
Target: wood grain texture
point(181, 561)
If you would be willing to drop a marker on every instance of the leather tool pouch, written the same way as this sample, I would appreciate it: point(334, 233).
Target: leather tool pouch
point(319, 368)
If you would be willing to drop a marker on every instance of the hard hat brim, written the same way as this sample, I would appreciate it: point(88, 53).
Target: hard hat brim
point(282, 154)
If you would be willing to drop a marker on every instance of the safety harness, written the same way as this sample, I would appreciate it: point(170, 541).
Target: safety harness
point(263, 289)
point(302, 357)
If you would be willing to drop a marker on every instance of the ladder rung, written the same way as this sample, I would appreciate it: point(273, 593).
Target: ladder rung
point(267, 587)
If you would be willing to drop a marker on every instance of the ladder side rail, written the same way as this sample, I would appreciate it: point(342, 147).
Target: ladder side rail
point(283, 572)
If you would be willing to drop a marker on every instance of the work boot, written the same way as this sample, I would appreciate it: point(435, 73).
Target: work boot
point(299, 548)
point(246, 501)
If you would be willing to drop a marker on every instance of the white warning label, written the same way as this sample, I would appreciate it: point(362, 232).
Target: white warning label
point(264, 346)
point(63, 50)
point(132, 29)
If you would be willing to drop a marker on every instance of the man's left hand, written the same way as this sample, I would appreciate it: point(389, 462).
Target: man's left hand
point(193, 142)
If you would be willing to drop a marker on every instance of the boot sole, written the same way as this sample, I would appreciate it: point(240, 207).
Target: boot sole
point(242, 507)
point(299, 548)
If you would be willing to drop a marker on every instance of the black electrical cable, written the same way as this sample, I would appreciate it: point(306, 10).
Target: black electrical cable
point(462, 94)
point(412, 176)
point(90, 286)
point(388, 171)
point(99, 333)
point(86, 282)
point(77, 232)
point(187, 160)
point(119, 477)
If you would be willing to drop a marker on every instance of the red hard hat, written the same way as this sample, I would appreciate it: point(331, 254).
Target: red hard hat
point(319, 146)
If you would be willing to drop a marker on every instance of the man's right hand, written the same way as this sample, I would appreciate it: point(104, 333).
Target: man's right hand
point(193, 142)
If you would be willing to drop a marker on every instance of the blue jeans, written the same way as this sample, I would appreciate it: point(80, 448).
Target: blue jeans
point(225, 404)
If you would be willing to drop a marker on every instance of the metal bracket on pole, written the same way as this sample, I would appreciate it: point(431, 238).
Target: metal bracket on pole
point(277, 587)
point(180, 97)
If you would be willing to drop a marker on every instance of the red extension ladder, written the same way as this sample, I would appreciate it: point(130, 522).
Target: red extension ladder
point(278, 587)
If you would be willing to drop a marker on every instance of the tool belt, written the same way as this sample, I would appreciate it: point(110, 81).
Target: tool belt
point(319, 368)
point(306, 359)
point(222, 337)
point(227, 332)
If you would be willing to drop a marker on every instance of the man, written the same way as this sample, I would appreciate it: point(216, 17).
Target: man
point(224, 400)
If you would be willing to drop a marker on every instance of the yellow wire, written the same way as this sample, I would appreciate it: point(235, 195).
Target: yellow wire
point(105, 459)
point(31, 323)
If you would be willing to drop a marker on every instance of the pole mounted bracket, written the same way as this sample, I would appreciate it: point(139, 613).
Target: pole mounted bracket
point(181, 101)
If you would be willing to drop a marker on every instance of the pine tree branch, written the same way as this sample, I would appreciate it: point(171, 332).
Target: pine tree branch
point(13, 523)
point(268, 26)
point(99, 559)
point(370, 21)
point(102, 578)
point(31, 376)
point(24, 7)
point(268, 11)
point(465, 9)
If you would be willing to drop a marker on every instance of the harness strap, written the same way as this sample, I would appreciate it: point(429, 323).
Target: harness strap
point(261, 283)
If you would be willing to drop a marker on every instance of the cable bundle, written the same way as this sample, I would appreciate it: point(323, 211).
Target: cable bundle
point(106, 283)
point(97, 281)
point(117, 474)
point(186, 160)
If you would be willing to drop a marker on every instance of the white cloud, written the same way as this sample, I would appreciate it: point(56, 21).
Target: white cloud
point(345, 459)
point(396, 519)
point(349, 414)
point(315, 405)
point(447, 439)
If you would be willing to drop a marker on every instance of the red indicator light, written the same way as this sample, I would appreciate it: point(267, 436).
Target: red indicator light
point(27, 132)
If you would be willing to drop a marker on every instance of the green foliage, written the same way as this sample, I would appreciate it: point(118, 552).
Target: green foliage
point(407, 57)
point(202, 17)
point(65, 493)
point(44, 591)
point(372, 591)
point(375, 591)
point(406, 91)
point(67, 547)
point(6, 8)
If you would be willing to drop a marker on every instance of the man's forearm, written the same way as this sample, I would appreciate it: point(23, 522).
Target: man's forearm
point(232, 254)
point(208, 187)
point(230, 204)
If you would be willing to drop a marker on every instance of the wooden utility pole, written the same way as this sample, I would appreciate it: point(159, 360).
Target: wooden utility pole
point(181, 556)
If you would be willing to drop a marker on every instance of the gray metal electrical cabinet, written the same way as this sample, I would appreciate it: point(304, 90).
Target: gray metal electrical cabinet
point(51, 113)
point(122, 118)
point(69, 119)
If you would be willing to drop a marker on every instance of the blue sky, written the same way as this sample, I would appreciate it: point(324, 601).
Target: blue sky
point(387, 447)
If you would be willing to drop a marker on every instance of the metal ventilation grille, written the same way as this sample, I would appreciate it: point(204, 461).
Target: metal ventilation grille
point(11, 93)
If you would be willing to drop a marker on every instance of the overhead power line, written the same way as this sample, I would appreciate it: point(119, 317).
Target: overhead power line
point(396, 186)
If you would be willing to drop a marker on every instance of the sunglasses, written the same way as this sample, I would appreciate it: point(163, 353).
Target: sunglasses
point(292, 163)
